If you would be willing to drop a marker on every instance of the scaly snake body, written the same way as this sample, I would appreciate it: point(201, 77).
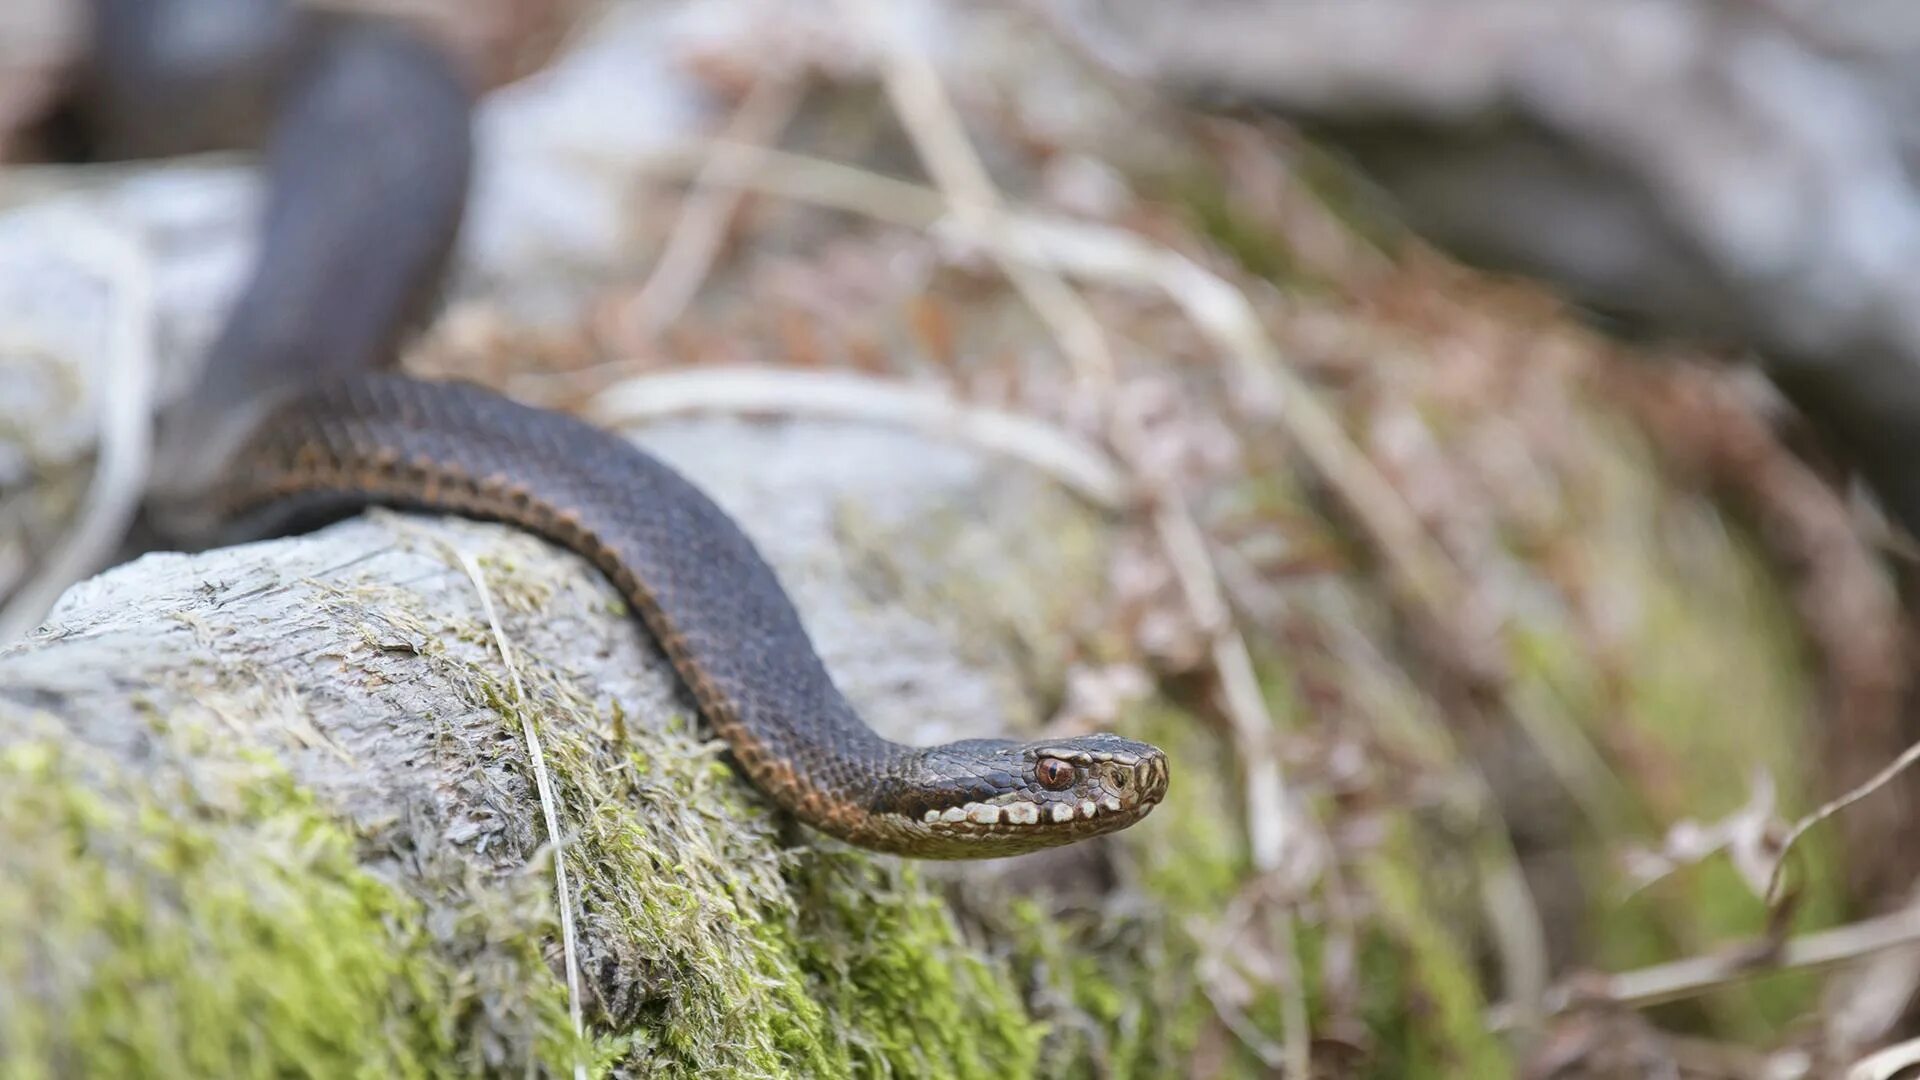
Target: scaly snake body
point(713, 603)
point(367, 173)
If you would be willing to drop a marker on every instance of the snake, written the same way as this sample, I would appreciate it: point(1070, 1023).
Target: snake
point(298, 419)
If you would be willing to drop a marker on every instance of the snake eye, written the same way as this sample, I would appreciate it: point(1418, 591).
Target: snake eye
point(1053, 774)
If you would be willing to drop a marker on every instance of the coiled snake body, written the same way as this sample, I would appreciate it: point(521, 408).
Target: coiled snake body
point(376, 173)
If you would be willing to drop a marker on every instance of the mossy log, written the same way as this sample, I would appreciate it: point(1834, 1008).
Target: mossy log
point(268, 809)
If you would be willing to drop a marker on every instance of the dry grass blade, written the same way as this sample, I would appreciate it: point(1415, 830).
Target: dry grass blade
point(913, 87)
point(1874, 783)
point(702, 225)
point(1082, 468)
point(1749, 835)
point(1514, 924)
point(537, 761)
point(1661, 983)
point(124, 385)
point(1887, 1063)
point(815, 181)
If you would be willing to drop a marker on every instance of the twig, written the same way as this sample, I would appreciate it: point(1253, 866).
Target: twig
point(1662, 983)
point(913, 87)
point(816, 181)
point(1296, 1022)
point(1874, 783)
point(1082, 468)
point(1867, 1004)
point(1683, 978)
point(123, 381)
point(1186, 548)
point(537, 760)
point(707, 208)
point(1887, 1063)
point(1513, 922)
point(1215, 949)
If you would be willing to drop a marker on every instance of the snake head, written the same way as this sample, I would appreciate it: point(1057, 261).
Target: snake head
point(985, 798)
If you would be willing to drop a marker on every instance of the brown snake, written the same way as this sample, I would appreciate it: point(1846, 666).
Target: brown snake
point(705, 593)
point(368, 168)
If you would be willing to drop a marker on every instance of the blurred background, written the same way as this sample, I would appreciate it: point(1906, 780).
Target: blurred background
point(1476, 440)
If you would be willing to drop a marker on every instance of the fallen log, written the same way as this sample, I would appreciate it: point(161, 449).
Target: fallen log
point(270, 806)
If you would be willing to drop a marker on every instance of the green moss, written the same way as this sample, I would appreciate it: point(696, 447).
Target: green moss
point(760, 960)
point(1424, 1003)
point(1248, 236)
point(1257, 248)
point(1119, 988)
point(224, 924)
point(891, 970)
point(203, 922)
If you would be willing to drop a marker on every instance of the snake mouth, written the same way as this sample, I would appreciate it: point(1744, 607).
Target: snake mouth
point(1019, 828)
point(1103, 792)
point(1061, 812)
point(990, 798)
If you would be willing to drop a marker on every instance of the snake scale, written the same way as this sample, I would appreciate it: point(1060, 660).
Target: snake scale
point(291, 421)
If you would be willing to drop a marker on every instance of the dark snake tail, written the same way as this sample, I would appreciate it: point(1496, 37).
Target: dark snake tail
point(367, 174)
